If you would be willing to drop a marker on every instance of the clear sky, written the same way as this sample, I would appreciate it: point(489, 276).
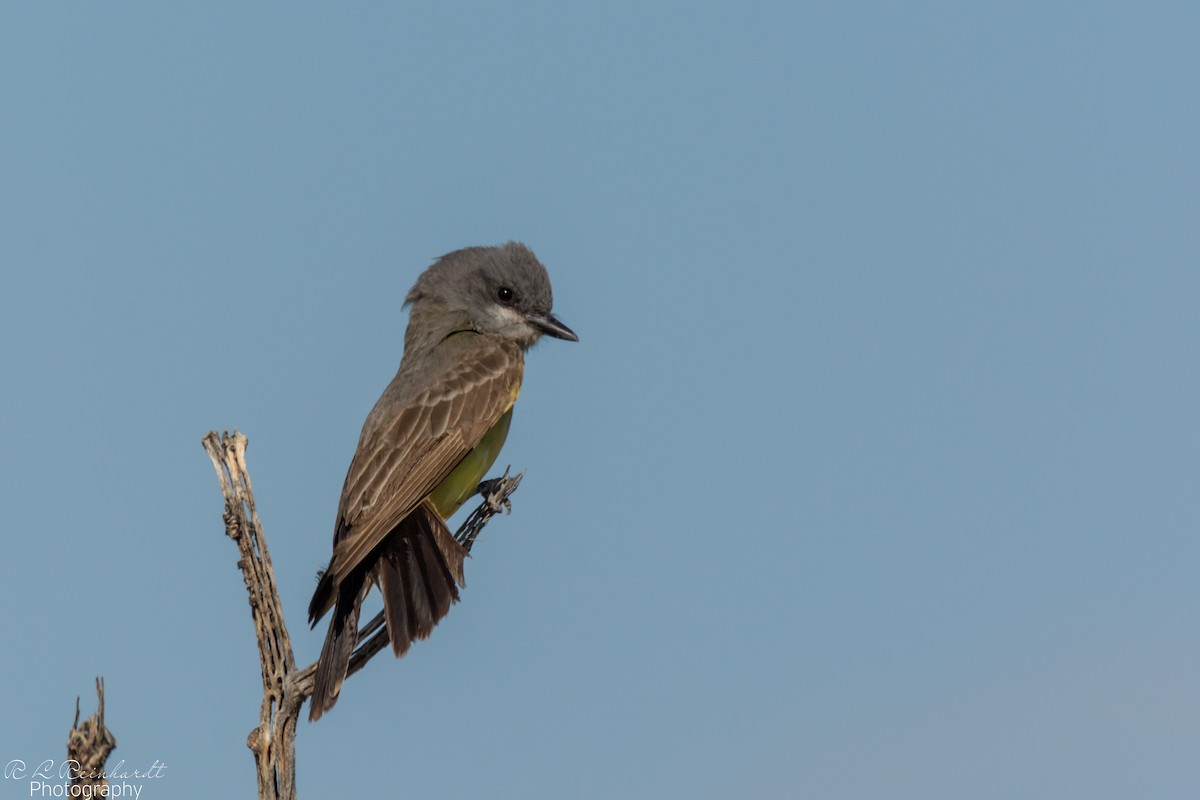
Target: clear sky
point(874, 474)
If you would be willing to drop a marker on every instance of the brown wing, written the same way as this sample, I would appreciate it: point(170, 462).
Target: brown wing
point(435, 411)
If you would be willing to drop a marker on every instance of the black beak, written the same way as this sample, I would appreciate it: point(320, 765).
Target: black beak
point(549, 325)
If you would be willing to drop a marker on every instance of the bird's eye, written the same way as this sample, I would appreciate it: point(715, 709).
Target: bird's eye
point(505, 294)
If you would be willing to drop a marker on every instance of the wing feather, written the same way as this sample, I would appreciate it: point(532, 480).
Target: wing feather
point(435, 411)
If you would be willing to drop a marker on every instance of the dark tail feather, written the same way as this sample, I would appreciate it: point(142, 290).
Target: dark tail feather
point(419, 576)
point(335, 654)
point(323, 597)
point(419, 568)
point(395, 589)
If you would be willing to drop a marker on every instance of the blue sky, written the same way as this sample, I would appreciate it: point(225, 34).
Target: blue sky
point(873, 474)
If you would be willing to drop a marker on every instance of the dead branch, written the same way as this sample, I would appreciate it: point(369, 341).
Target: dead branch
point(88, 747)
point(273, 742)
point(285, 688)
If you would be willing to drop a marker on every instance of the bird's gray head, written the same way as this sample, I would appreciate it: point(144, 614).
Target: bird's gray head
point(503, 290)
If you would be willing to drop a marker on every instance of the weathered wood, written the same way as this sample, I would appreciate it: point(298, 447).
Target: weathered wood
point(88, 746)
point(273, 742)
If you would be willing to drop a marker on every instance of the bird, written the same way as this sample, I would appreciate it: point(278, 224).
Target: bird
point(426, 445)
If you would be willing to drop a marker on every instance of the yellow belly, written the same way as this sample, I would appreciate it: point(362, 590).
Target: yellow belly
point(464, 478)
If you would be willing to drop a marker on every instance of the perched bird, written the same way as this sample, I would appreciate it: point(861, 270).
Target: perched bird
point(425, 447)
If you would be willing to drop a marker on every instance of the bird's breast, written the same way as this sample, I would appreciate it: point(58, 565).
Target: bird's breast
point(463, 480)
